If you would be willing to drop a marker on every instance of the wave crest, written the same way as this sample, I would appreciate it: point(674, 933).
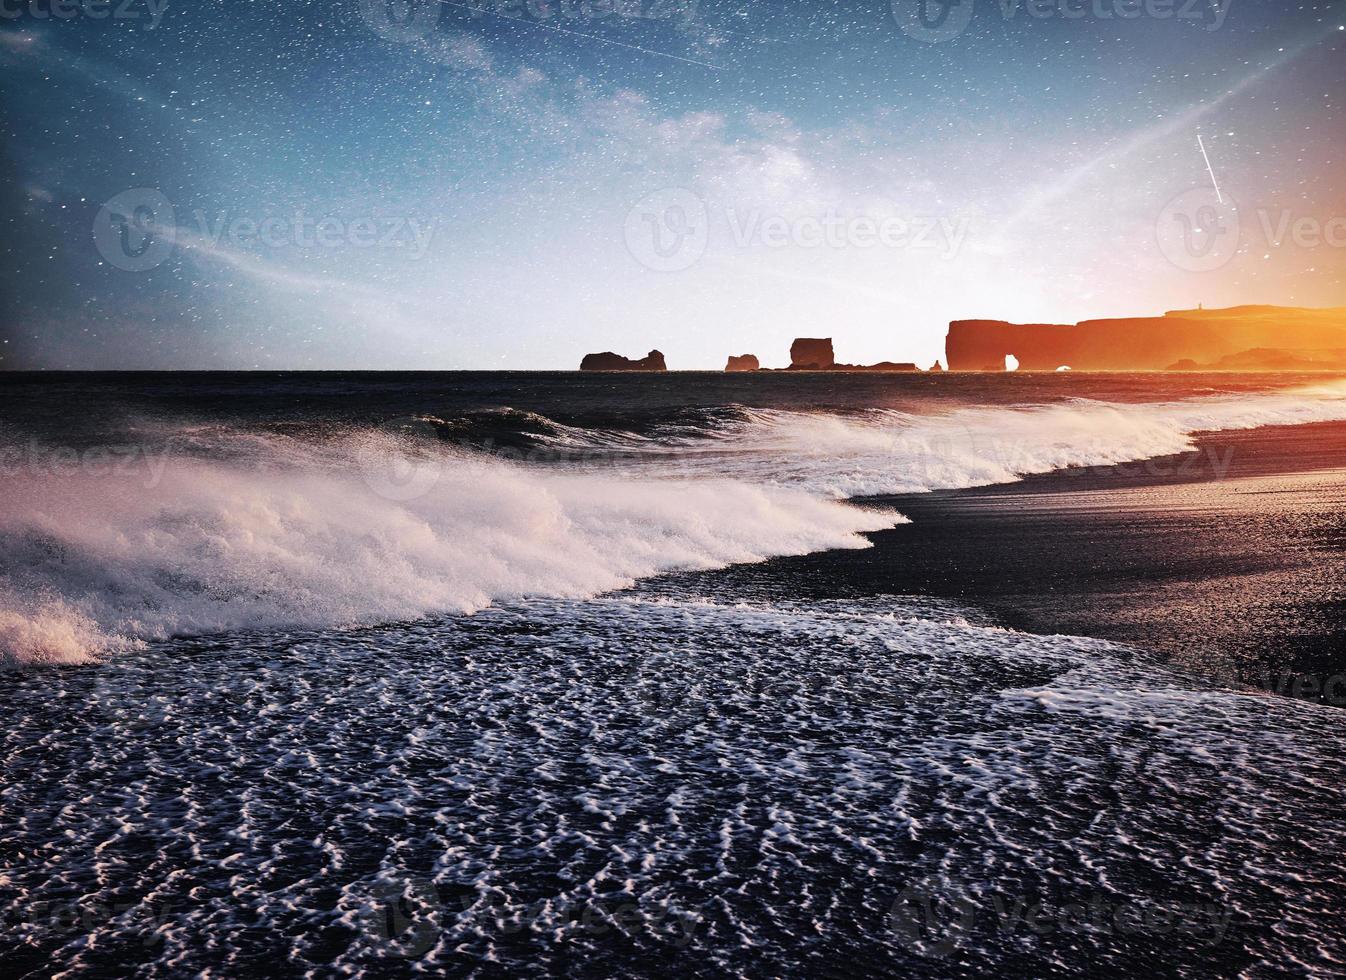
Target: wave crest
point(370, 529)
point(213, 527)
point(880, 451)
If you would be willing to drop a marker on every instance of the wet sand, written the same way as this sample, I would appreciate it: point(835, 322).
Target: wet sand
point(1227, 561)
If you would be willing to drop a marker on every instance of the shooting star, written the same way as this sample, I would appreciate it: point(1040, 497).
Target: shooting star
point(1218, 196)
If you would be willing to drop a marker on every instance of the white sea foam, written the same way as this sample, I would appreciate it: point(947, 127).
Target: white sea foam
point(246, 530)
point(887, 452)
point(358, 533)
point(728, 783)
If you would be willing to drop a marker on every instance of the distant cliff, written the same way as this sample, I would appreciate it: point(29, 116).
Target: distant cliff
point(1144, 343)
point(812, 354)
point(1270, 359)
point(608, 361)
point(744, 362)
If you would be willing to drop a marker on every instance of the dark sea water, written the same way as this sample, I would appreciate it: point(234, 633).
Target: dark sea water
point(387, 675)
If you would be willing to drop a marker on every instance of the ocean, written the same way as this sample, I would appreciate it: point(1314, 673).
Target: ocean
point(387, 674)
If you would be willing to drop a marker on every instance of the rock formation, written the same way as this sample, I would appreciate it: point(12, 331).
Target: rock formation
point(608, 361)
point(1270, 359)
point(1143, 343)
point(809, 354)
point(744, 362)
point(936, 368)
point(892, 367)
point(815, 354)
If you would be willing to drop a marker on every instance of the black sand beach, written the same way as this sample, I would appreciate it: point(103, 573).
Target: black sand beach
point(313, 762)
point(1226, 560)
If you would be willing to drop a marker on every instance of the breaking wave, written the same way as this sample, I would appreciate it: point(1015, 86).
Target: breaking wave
point(367, 531)
point(213, 528)
point(877, 451)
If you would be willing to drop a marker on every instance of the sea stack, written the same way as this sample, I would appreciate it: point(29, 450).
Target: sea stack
point(608, 361)
point(812, 354)
point(744, 362)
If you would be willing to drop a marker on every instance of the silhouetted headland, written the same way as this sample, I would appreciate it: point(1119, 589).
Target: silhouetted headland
point(1270, 359)
point(1241, 338)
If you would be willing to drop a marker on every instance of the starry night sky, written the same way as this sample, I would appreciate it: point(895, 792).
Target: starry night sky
point(517, 138)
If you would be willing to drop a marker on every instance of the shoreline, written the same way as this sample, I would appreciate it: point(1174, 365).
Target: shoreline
point(1223, 560)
